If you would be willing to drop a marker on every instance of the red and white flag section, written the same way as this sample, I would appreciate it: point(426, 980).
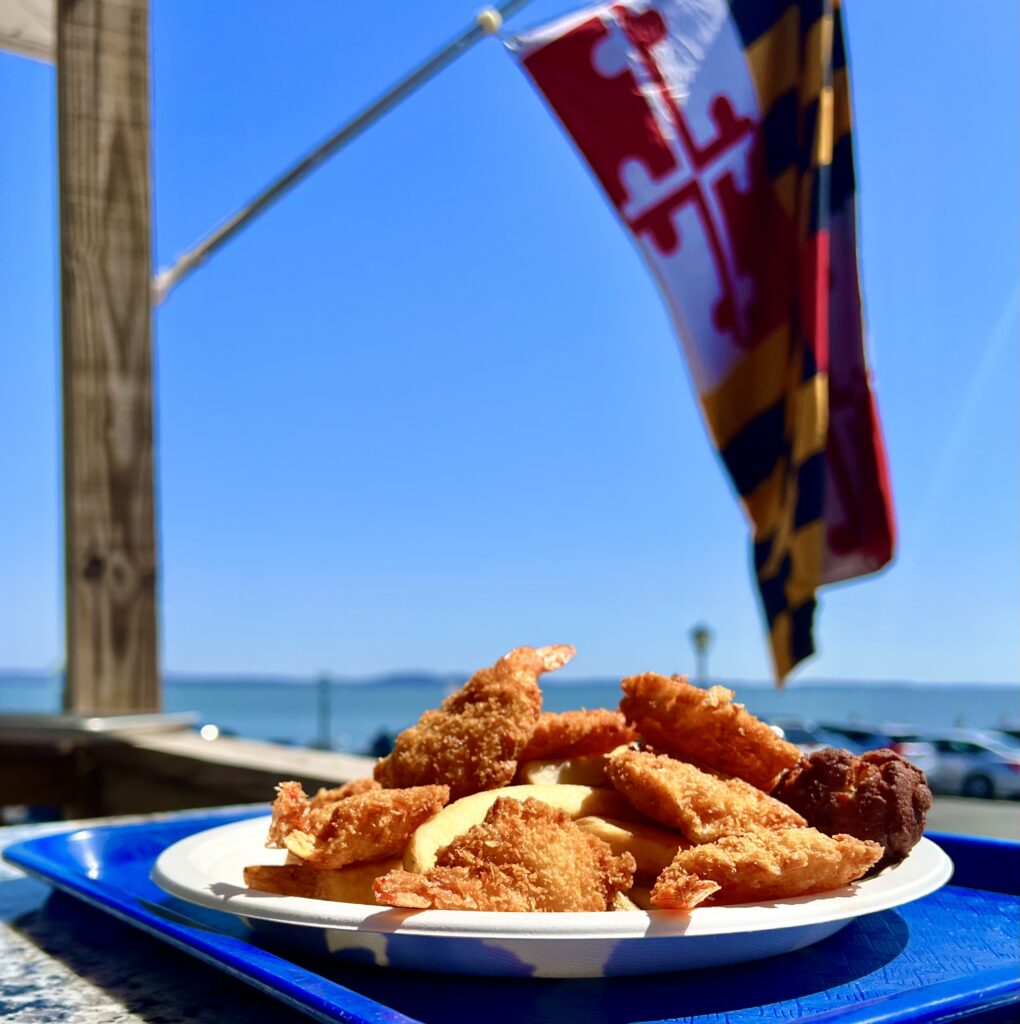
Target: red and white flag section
point(721, 134)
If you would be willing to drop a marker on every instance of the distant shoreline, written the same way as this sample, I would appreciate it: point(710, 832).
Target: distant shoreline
point(414, 678)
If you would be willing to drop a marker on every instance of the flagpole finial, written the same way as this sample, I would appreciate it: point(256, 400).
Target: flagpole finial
point(490, 21)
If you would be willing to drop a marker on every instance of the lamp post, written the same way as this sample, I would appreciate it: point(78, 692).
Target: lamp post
point(701, 640)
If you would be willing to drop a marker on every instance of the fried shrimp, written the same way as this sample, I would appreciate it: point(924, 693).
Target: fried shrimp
point(367, 826)
point(473, 741)
point(707, 727)
point(293, 811)
point(577, 733)
point(763, 865)
point(703, 807)
point(525, 856)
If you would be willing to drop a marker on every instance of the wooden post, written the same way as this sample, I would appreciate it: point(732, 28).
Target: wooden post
point(105, 264)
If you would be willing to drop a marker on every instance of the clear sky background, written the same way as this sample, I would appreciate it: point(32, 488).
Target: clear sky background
point(430, 407)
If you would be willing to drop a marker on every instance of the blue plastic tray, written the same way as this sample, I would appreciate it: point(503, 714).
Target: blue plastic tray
point(950, 956)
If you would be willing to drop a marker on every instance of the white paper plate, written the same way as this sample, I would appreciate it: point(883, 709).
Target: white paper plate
point(206, 869)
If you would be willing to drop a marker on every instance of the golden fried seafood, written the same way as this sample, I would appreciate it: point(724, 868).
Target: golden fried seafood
point(293, 811)
point(652, 848)
point(368, 826)
point(764, 865)
point(575, 733)
point(473, 741)
point(877, 796)
point(353, 788)
point(702, 806)
point(352, 884)
point(705, 726)
point(525, 856)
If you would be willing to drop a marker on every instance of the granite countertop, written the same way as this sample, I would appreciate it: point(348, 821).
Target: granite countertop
point(62, 960)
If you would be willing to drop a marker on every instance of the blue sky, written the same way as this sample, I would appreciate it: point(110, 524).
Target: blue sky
point(430, 406)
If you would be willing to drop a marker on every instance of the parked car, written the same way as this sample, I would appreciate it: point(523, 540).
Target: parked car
point(906, 740)
point(977, 763)
point(810, 736)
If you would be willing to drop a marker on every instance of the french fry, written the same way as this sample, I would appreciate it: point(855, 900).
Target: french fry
point(587, 770)
point(652, 848)
point(352, 884)
point(622, 901)
point(455, 819)
point(641, 897)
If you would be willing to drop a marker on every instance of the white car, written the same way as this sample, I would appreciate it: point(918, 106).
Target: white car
point(975, 763)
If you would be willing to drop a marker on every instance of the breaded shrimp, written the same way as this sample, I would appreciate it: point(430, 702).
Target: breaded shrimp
point(294, 812)
point(705, 726)
point(703, 807)
point(524, 856)
point(765, 865)
point(474, 740)
point(368, 826)
point(576, 734)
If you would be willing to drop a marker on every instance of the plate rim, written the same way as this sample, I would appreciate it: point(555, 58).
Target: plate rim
point(928, 868)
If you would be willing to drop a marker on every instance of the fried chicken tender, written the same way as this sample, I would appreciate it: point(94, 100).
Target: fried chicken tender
point(702, 806)
point(525, 856)
point(577, 733)
point(473, 741)
point(367, 826)
point(705, 726)
point(877, 796)
point(763, 865)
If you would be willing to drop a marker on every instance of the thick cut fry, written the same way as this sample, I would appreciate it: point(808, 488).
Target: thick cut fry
point(701, 806)
point(370, 826)
point(473, 741)
point(352, 884)
point(457, 818)
point(766, 865)
point(576, 733)
point(705, 726)
point(652, 848)
point(587, 770)
point(525, 856)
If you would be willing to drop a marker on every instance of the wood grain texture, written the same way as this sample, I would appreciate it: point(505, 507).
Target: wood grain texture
point(110, 556)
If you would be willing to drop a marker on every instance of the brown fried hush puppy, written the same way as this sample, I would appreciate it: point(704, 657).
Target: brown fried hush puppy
point(877, 796)
point(473, 741)
point(524, 856)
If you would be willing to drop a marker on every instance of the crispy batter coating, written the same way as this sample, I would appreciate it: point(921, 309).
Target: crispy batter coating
point(576, 733)
point(352, 788)
point(764, 865)
point(473, 741)
point(705, 726)
point(702, 806)
point(294, 812)
point(367, 826)
point(877, 796)
point(525, 856)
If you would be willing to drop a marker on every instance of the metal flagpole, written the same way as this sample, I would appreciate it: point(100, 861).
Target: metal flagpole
point(488, 22)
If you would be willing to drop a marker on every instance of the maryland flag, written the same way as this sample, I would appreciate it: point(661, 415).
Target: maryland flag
point(721, 133)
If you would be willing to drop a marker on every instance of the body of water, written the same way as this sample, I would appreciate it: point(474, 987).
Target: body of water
point(288, 711)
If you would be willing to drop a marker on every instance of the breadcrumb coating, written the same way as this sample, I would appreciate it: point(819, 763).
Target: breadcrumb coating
point(702, 806)
point(474, 740)
point(525, 856)
point(577, 733)
point(705, 726)
point(763, 865)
